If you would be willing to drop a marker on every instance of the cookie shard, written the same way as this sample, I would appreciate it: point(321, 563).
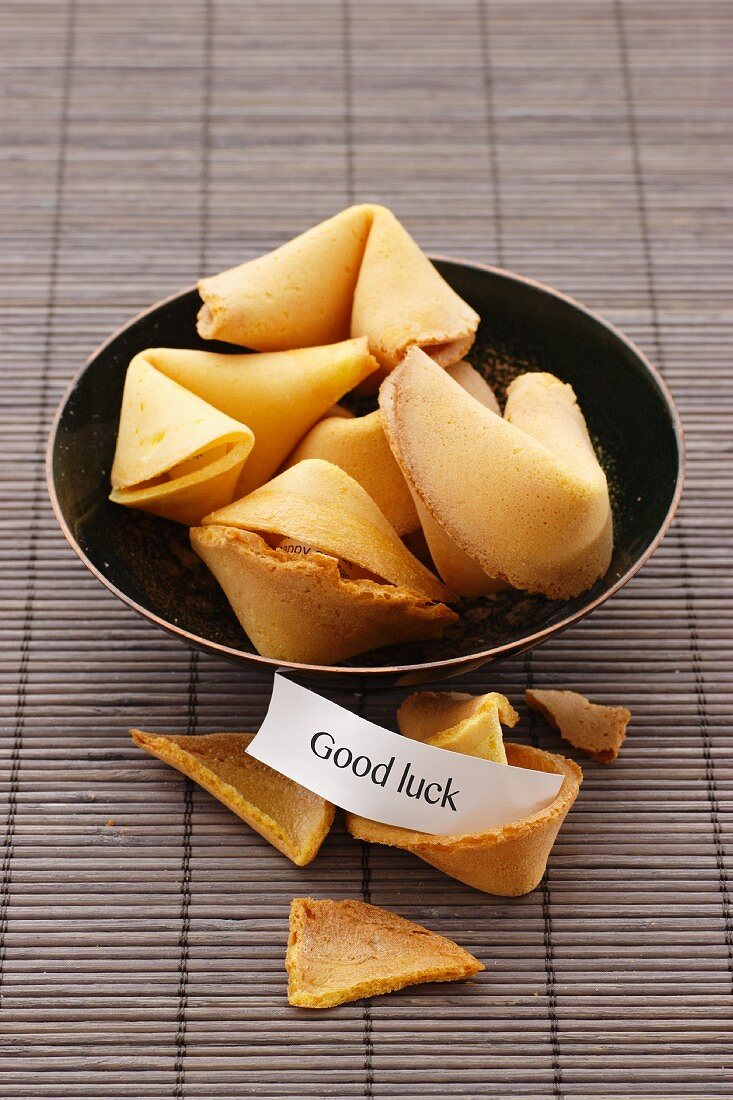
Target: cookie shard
point(597, 730)
point(537, 519)
point(293, 819)
point(340, 951)
point(359, 446)
point(176, 456)
point(469, 724)
point(300, 608)
point(317, 503)
point(278, 395)
point(508, 861)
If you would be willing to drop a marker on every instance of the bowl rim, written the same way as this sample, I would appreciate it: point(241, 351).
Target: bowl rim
point(443, 665)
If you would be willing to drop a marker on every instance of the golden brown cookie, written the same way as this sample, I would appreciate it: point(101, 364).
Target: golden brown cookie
point(293, 819)
point(342, 951)
point(597, 730)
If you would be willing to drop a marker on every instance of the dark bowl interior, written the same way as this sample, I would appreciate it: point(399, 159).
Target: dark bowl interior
point(148, 563)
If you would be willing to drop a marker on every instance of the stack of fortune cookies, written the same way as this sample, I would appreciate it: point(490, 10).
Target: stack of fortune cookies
point(510, 860)
point(303, 511)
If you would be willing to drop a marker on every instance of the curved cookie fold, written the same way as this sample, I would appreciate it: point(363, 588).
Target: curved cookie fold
point(469, 724)
point(317, 504)
point(598, 730)
point(401, 301)
point(301, 608)
point(278, 395)
point(359, 273)
point(359, 446)
point(340, 951)
point(473, 382)
point(523, 498)
point(294, 820)
point(508, 861)
point(461, 573)
point(176, 455)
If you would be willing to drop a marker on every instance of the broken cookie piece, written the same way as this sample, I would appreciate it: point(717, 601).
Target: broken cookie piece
point(469, 724)
point(291, 818)
point(341, 951)
point(597, 730)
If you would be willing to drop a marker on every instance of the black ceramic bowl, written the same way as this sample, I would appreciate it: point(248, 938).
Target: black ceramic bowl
point(147, 561)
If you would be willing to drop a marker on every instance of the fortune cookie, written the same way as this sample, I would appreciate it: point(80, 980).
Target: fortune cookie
point(279, 395)
point(301, 608)
point(359, 446)
point(341, 951)
point(315, 573)
point(359, 273)
point(318, 505)
point(522, 496)
point(597, 730)
point(176, 455)
point(470, 724)
point(509, 860)
point(291, 818)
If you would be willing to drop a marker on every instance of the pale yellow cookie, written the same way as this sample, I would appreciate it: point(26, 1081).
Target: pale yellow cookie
point(359, 446)
point(523, 496)
point(317, 503)
point(470, 724)
point(278, 395)
point(359, 273)
point(176, 455)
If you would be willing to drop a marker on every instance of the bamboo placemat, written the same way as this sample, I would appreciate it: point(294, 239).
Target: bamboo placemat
point(142, 928)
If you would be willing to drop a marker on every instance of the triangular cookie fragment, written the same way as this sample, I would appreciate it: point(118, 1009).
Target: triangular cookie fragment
point(302, 609)
point(341, 951)
point(469, 724)
point(359, 273)
point(597, 730)
point(278, 395)
point(176, 455)
point(523, 496)
point(359, 446)
point(291, 818)
point(319, 506)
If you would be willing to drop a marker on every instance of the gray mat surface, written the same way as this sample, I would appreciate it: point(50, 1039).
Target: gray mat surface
point(142, 928)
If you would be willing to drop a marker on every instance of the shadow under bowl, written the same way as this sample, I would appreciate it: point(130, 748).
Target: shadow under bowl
point(147, 561)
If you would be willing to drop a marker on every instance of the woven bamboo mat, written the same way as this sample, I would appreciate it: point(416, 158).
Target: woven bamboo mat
point(142, 928)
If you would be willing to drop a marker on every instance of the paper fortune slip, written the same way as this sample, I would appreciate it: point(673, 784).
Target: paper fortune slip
point(378, 774)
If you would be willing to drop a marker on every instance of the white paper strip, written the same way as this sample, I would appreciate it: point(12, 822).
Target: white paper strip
point(369, 770)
